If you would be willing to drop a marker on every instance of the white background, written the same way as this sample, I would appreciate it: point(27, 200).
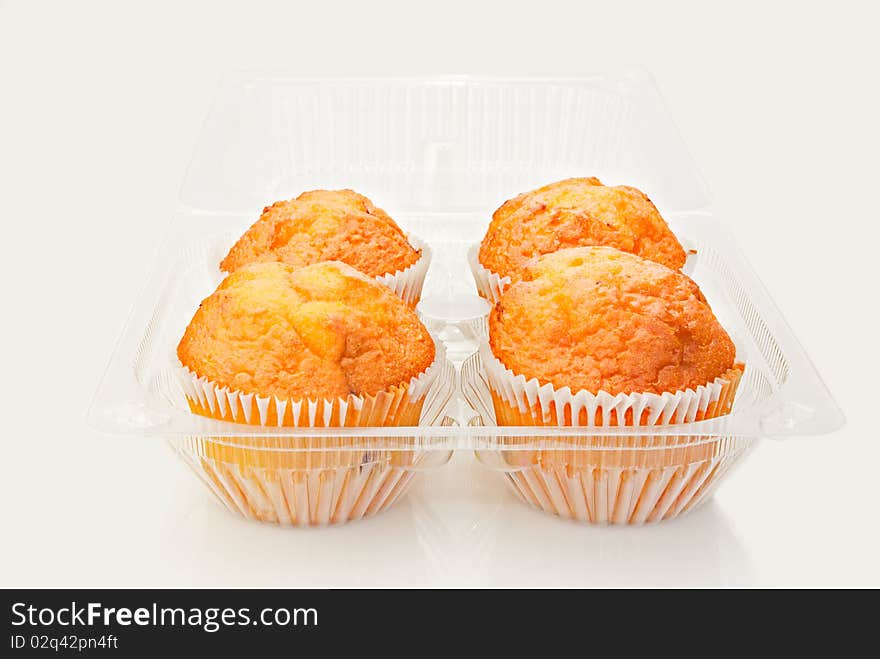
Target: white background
point(100, 105)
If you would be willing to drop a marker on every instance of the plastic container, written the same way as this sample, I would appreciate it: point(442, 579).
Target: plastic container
point(440, 155)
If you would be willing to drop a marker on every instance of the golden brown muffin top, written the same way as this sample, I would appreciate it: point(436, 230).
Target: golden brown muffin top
point(572, 213)
point(596, 318)
point(324, 330)
point(325, 225)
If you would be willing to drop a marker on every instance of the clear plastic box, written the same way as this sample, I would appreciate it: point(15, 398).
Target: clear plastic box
point(440, 155)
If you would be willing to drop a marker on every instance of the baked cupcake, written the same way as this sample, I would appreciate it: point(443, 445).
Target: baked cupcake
point(571, 213)
point(335, 225)
point(596, 337)
point(318, 346)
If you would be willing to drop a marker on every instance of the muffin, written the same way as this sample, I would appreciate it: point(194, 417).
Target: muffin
point(334, 225)
point(596, 337)
point(318, 346)
point(570, 213)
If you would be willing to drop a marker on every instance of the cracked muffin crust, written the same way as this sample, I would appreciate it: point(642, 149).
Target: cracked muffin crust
point(572, 213)
point(325, 225)
point(320, 331)
point(598, 319)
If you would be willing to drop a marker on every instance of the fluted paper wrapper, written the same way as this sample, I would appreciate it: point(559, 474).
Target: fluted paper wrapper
point(491, 285)
point(621, 479)
point(304, 481)
point(407, 283)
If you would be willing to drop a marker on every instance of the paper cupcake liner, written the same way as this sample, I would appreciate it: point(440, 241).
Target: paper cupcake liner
point(522, 402)
point(398, 405)
point(407, 283)
point(491, 285)
point(304, 480)
point(617, 479)
point(362, 484)
point(624, 495)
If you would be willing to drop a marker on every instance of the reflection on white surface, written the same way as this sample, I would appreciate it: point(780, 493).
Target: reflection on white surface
point(480, 534)
point(214, 547)
point(458, 526)
point(697, 549)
